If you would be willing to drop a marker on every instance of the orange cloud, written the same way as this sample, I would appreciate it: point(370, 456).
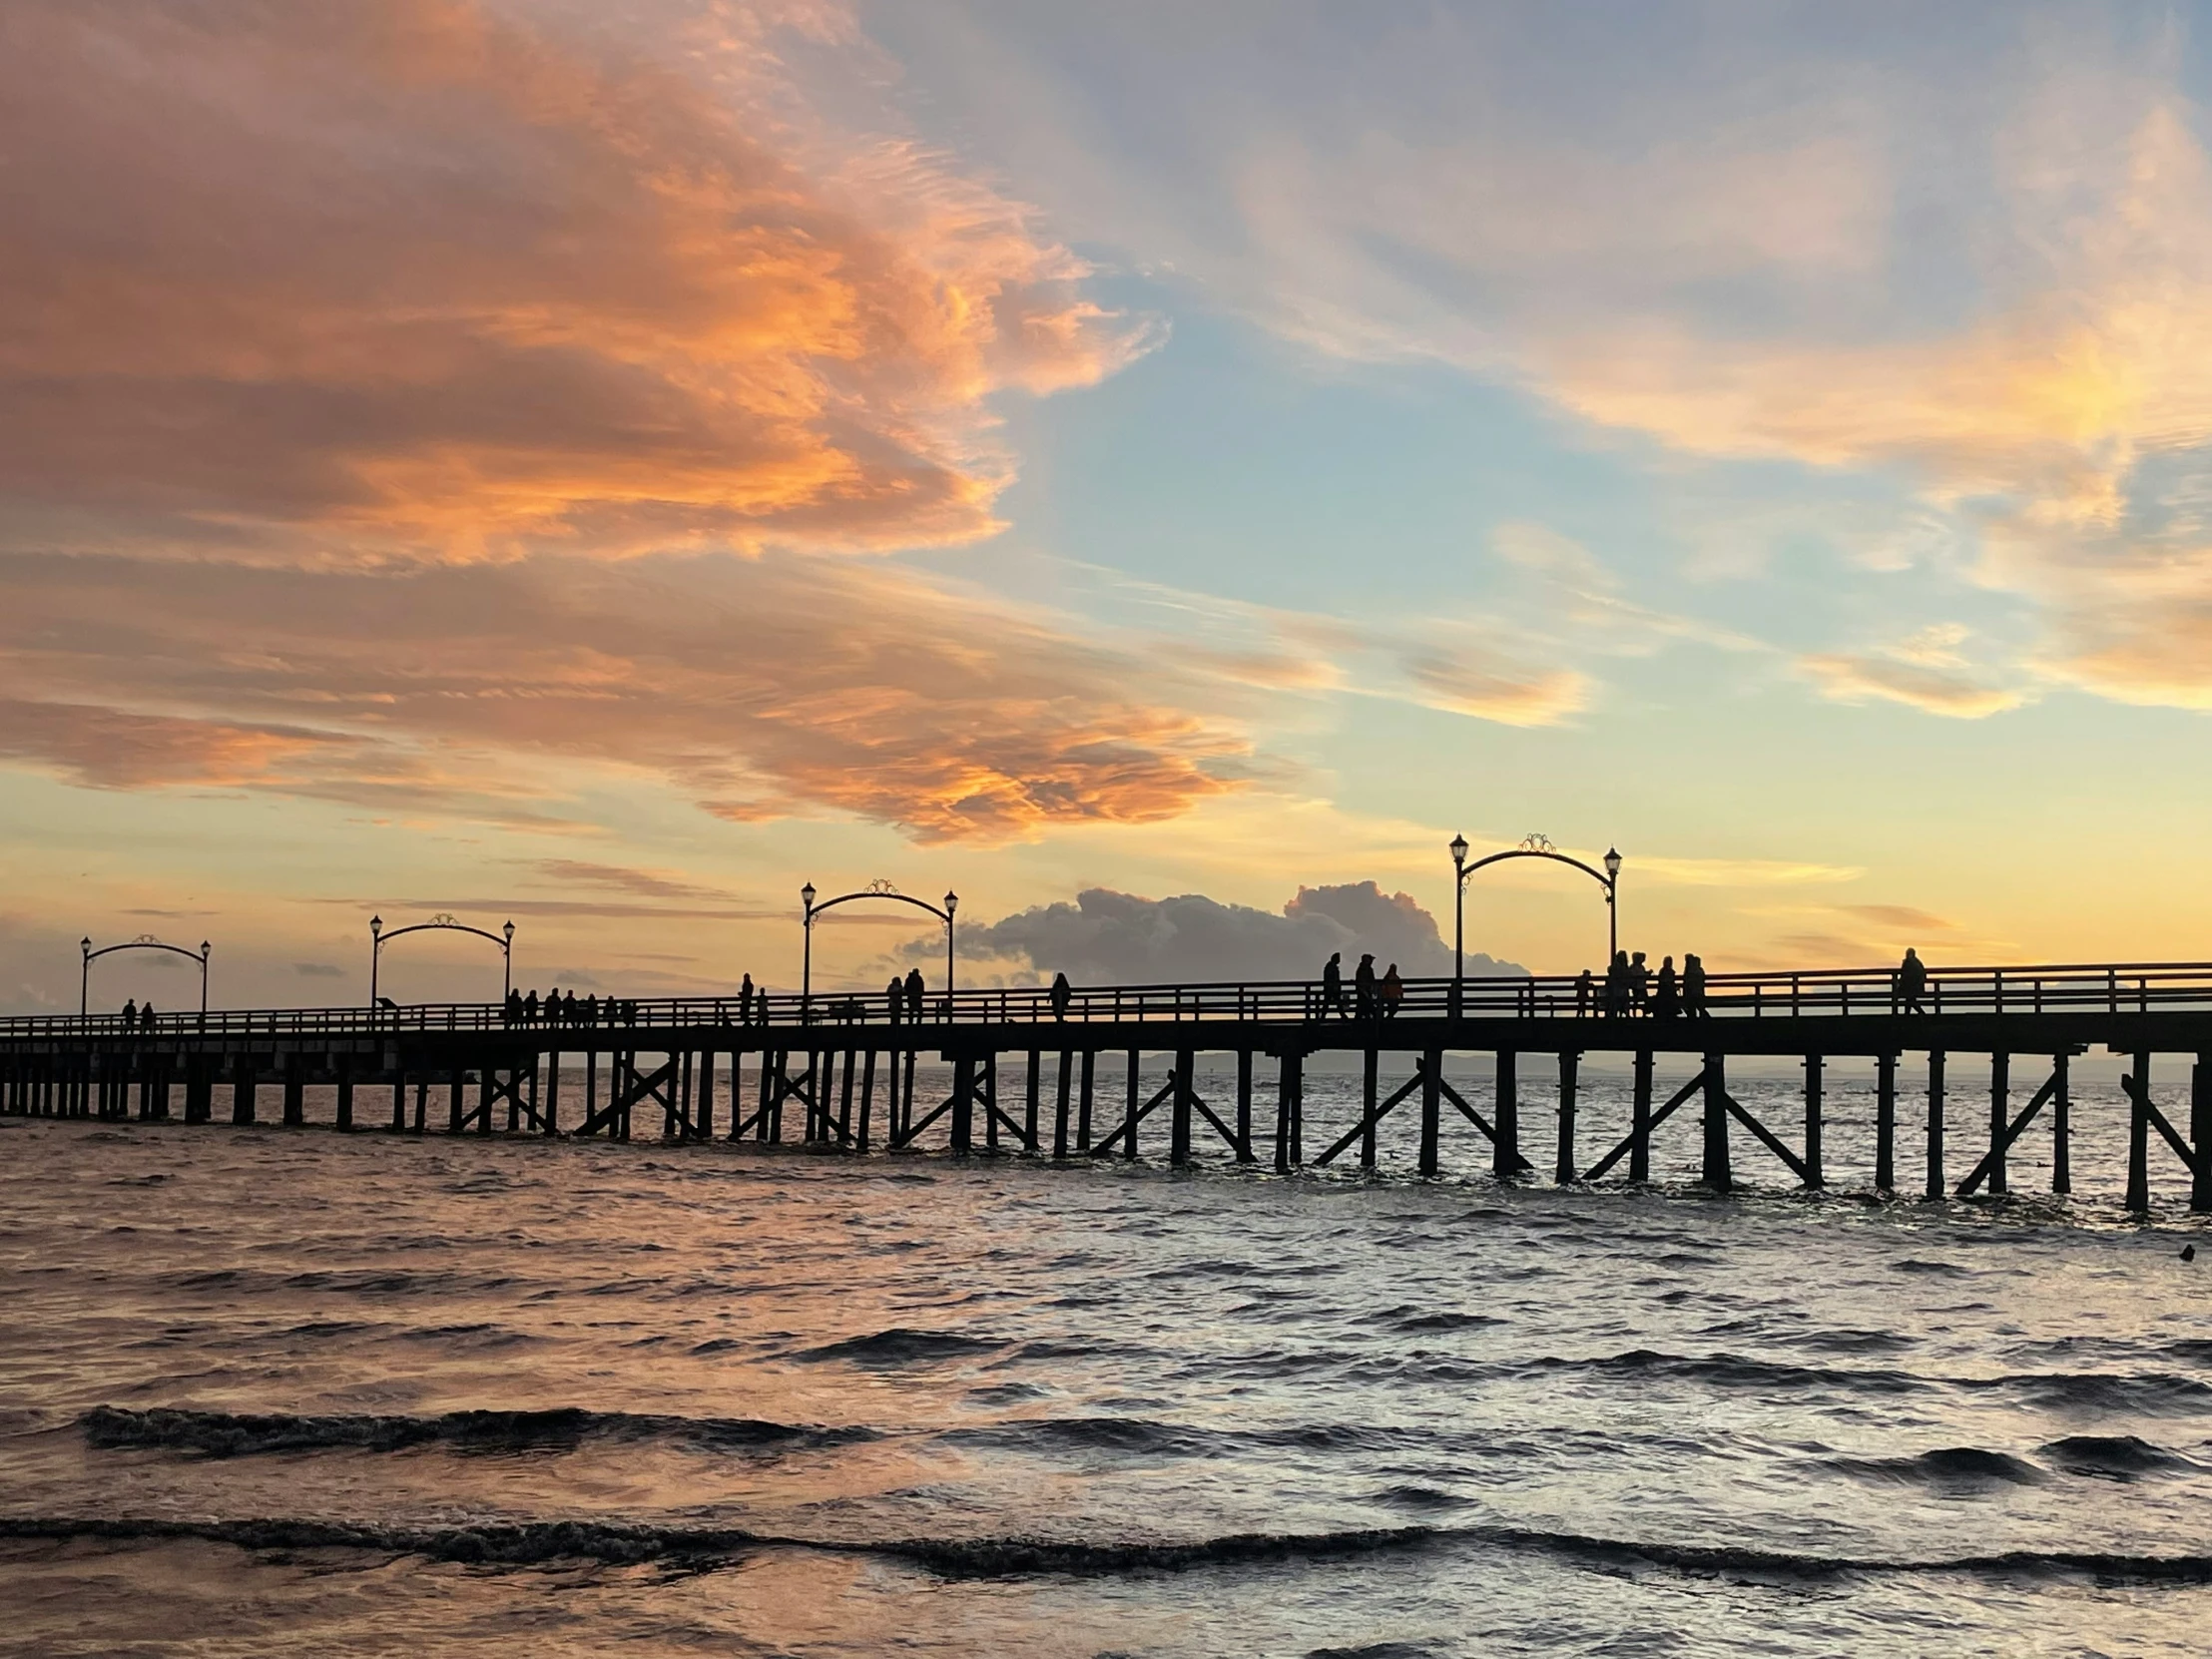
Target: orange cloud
point(782, 683)
point(335, 282)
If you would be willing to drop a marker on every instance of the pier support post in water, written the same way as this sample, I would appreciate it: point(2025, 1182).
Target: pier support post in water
point(1129, 1112)
point(1717, 1174)
point(1935, 1188)
point(1505, 1158)
point(1029, 1102)
point(1288, 1089)
point(868, 1100)
point(2200, 1133)
point(1563, 1168)
point(1179, 1112)
point(1370, 1093)
point(1884, 1123)
point(1431, 1110)
point(296, 1089)
point(2138, 1137)
point(1060, 1104)
point(1084, 1101)
point(1639, 1121)
point(1244, 1107)
point(2000, 1118)
point(1814, 1103)
point(964, 1104)
point(2061, 1127)
point(344, 1063)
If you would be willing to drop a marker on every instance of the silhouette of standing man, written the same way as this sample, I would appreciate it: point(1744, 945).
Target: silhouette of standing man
point(1333, 985)
point(914, 994)
point(1912, 982)
point(1063, 993)
point(1362, 986)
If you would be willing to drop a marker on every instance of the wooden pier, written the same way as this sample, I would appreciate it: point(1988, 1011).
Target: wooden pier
point(839, 1071)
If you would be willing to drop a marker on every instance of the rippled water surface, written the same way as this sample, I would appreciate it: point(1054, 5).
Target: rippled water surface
point(286, 1392)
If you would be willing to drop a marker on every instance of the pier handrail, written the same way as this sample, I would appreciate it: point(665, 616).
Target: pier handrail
point(2102, 987)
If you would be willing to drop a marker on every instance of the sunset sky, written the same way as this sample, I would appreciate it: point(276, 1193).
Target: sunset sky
point(603, 463)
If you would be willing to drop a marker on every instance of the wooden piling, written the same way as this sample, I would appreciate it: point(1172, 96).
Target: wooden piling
point(963, 1103)
point(1060, 1102)
point(1563, 1169)
point(1816, 1067)
point(1431, 1111)
point(1179, 1115)
point(1884, 1122)
point(241, 1089)
point(2139, 1138)
point(345, 1065)
point(1370, 1093)
point(1083, 1118)
point(2000, 1118)
point(1639, 1151)
point(2061, 1127)
point(1029, 1100)
point(702, 1107)
point(453, 1103)
point(1244, 1106)
point(1934, 1187)
point(1129, 1113)
point(1717, 1174)
point(1505, 1158)
point(2200, 1133)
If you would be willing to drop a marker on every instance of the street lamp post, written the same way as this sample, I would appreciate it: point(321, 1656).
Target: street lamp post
point(951, 903)
point(508, 989)
point(144, 941)
point(807, 958)
point(1458, 918)
point(1612, 905)
point(376, 956)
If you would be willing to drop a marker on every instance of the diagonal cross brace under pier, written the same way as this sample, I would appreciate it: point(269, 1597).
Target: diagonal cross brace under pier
point(1369, 1120)
point(1674, 1102)
point(2141, 1097)
point(2013, 1132)
point(1767, 1139)
point(1523, 1167)
point(1167, 1093)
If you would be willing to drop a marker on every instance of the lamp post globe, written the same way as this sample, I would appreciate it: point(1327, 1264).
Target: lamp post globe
point(1612, 902)
point(1458, 850)
point(1612, 861)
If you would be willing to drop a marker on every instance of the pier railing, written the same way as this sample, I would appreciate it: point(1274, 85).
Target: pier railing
point(2106, 988)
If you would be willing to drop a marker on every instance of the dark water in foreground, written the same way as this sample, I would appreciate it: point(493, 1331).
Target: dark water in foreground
point(270, 1391)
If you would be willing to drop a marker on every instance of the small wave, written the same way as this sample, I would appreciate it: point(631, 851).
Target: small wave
point(1932, 1270)
point(1952, 1467)
point(2116, 1457)
point(562, 1428)
point(525, 1543)
point(899, 1346)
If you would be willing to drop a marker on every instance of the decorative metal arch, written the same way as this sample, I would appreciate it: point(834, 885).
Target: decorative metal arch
point(505, 938)
point(877, 889)
point(144, 941)
point(1533, 846)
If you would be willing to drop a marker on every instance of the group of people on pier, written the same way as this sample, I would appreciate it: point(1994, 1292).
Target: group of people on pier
point(1632, 991)
point(1373, 997)
point(562, 1009)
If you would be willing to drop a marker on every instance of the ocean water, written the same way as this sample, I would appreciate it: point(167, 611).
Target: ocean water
point(281, 1392)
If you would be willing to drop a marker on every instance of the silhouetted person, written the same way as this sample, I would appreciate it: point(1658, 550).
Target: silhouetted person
point(1062, 995)
point(1639, 983)
point(745, 1001)
point(1693, 987)
point(895, 997)
point(130, 1013)
point(1333, 985)
point(145, 1016)
point(1583, 989)
point(530, 1007)
point(1666, 1002)
point(1362, 986)
point(591, 1009)
point(1616, 985)
point(1912, 982)
point(1393, 992)
point(915, 993)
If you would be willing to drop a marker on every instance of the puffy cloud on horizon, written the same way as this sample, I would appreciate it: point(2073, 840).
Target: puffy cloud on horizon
point(1116, 939)
point(315, 283)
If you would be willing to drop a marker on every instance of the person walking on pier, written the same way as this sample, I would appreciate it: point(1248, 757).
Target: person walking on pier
point(1912, 983)
point(1393, 992)
point(1062, 995)
point(1583, 987)
point(1666, 1002)
point(1362, 986)
point(1333, 985)
point(1693, 987)
point(914, 992)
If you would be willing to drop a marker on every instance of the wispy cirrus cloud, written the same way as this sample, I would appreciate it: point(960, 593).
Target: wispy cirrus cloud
point(782, 683)
point(454, 279)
